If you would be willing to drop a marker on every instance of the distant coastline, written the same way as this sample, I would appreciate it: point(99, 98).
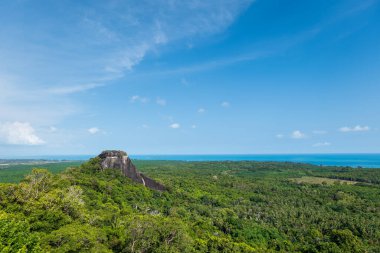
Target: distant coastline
point(352, 160)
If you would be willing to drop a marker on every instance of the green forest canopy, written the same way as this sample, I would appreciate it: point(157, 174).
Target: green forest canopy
point(208, 207)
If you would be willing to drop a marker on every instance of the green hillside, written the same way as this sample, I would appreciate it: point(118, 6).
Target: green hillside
point(208, 207)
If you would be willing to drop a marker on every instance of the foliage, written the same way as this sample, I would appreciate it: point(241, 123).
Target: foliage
point(14, 173)
point(208, 207)
point(15, 235)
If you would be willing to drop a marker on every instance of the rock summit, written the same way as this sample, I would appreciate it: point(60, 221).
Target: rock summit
point(116, 159)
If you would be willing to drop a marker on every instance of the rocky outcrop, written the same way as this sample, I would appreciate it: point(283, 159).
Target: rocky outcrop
point(115, 159)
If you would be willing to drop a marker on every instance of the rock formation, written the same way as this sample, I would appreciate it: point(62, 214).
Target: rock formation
point(115, 159)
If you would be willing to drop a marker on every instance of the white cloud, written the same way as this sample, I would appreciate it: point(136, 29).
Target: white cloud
point(201, 110)
point(297, 134)
point(161, 101)
point(225, 104)
point(322, 144)
point(19, 133)
point(137, 98)
point(93, 130)
point(357, 128)
point(175, 126)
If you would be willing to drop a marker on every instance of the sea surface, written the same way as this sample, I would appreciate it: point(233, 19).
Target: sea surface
point(353, 160)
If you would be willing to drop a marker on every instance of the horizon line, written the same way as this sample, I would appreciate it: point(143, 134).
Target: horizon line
point(195, 154)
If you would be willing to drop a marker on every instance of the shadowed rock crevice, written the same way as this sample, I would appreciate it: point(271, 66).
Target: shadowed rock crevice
point(115, 159)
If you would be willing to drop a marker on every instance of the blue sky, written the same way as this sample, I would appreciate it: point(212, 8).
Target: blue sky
point(189, 77)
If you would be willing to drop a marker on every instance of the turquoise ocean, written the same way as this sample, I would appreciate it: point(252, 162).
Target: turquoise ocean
point(353, 160)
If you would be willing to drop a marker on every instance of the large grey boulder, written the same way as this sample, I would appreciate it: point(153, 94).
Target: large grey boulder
point(116, 159)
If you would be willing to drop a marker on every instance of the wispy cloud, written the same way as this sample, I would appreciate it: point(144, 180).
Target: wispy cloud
point(358, 7)
point(280, 136)
point(101, 42)
point(161, 101)
point(201, 110)
point(275, 46)
point(297, 134)
point(19, 133)
point(164, 22)
point(74, 89)
point(175, 126)
point(217, 63)
point(137, 98)
point(357, 128)
point(52, 129)
point(127, 59)
point(93, 130)
point(100, 31)
point(35, 105)
point(184, 81)
point(225, 104)
point(322, 144)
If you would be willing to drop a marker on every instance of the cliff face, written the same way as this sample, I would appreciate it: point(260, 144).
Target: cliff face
point(114, 159)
